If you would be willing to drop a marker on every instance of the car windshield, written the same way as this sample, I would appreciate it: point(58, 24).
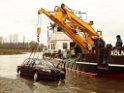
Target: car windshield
point(43, 62)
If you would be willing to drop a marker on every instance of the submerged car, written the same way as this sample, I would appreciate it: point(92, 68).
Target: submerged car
point(40, 69)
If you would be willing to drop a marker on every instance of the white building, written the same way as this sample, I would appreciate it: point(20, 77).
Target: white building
point(58, 40)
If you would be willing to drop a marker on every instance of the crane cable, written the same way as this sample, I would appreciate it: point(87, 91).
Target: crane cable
point(33, 51)
point(38, 28)
point(38, 33)
point(36, 47)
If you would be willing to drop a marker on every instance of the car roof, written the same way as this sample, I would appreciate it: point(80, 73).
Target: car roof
point(39, 59)
point(35, 59)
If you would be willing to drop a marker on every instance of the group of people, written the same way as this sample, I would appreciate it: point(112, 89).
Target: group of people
point(63, 54)
point(78, 31)
point(98, 42)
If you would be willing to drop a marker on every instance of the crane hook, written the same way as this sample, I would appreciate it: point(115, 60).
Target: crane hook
point(38, 33)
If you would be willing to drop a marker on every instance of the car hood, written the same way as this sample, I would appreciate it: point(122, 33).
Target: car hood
point(50, 68)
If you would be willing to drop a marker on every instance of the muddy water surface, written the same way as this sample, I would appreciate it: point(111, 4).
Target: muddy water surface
point(74, 82)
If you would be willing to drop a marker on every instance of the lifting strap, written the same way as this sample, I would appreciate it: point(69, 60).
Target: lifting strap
point(37, 45)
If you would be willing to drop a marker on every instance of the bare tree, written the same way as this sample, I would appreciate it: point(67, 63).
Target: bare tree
point(1, 40)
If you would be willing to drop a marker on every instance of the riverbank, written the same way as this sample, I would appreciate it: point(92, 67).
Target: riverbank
point(12, 51)
point(11, 86)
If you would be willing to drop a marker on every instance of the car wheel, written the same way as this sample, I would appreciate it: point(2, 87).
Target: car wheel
point(56, 77)
point(36, 75)
point(62, 76)
point(19, 72)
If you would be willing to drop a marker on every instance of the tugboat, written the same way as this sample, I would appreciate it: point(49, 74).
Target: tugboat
point(104, 61)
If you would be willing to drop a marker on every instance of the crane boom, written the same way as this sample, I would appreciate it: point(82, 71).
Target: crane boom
point(83, 25)
point(68, 21)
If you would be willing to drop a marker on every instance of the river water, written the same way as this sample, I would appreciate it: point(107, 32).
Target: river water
point(74, 82)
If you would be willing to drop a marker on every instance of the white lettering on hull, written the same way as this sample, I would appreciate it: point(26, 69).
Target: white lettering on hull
point(117, 52)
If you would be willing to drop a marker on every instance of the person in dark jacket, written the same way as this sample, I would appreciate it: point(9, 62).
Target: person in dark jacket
point(78, 52)
point(98, 43)
point(119, 41)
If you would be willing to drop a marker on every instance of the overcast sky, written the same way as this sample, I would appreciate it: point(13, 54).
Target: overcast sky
point(20, 16)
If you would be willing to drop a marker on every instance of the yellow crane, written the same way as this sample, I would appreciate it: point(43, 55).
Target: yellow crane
point(69, 22)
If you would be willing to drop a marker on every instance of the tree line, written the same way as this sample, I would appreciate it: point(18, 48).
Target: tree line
point(14, 44)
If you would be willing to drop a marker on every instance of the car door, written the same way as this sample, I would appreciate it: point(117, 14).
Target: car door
point(39, 66)
point(24, 68)
point(31, 67)
point(46, 69)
